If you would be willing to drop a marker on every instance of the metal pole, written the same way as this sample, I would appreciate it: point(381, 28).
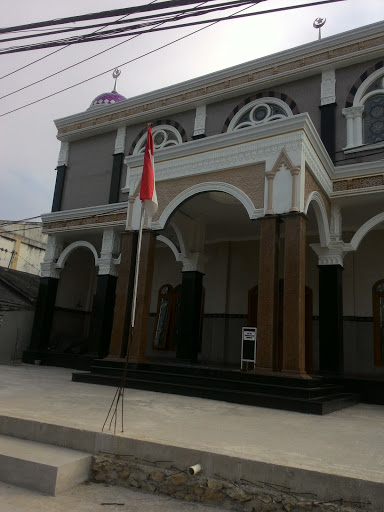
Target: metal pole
point(133, 311)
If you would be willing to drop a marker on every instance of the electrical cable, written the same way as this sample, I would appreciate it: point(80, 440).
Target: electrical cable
point(104, 14)
point(28, 263)
point(101, 36)
point(71, 66)
point(128, 62)
point(18, 230)
point(146, 20)
point(52, 53)
point(2, 223)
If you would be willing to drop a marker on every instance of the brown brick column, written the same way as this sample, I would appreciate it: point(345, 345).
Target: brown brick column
point(123, 300)
point(268, 292)
point(294, 293)
point(138, 345)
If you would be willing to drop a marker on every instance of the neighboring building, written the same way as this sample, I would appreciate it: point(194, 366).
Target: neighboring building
point(270, 180)
point(18, 294)
point(22, 246)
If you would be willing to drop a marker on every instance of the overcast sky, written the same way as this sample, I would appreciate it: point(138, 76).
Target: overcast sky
point(28, 144)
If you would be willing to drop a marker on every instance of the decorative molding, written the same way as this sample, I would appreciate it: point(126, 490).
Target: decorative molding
point(52, 252)
point(331, 255)
point(63, 154)
point(230, 157)
point(316, 167)
point(364, 230)
point(362, 84)
point(363, 182)
point(87, 212)
point(194, 262)
point(72, 247)
point(200, 118)
point(365, 147)
point(334, 253)
point(336, 230)
point(120, 140)
point(354, 45)
point(207, 187)
point(354, 117)
point(164, 136)
point(231, 124)
point(283, 163)
point(287, 132)
point(321, 216)
point(87, 222)
point(49, 270)
point(109, 252)
point(168, 125)
point(171, 245)
point(328, 87)
point(358, 169)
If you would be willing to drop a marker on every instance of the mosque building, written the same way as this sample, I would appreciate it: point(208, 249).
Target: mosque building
point(270, 184)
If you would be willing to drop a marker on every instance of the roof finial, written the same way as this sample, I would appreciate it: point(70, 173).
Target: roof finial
point(116, 73)
point(318, 23)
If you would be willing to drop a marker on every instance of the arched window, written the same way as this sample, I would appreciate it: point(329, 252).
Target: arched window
point(164, 136)
point(258, 112)
point(365, 118)
point(378, 322)
point(373, 115)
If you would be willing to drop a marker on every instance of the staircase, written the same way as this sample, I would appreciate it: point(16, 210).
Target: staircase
point(42, 467)
point(314, 395)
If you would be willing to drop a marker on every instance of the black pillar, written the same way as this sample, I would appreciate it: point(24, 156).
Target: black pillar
point(114, 190)
point(190, 311)
point(331, 318)
point(328, 128)
point(45, 306)
point(102, 315)
point(59, 188)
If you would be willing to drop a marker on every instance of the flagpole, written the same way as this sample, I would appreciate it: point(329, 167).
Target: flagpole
point(147, 195)
point(134, 297)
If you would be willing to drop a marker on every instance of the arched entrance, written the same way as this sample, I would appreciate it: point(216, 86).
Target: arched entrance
point(215, 245)
point(72, 319)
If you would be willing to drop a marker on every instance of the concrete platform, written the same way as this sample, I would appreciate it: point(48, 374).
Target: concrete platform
point(41, 467)
point(333, 456)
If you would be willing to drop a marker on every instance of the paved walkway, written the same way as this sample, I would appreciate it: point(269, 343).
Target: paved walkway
point(93, 498)
point(349, 442)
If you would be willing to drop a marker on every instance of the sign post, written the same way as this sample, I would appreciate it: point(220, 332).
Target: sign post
point(248, 346)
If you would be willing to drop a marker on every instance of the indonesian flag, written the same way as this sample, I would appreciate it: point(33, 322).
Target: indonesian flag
point(147, 188)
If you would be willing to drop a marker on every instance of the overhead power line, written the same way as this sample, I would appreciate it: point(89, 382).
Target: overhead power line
point(141, 29)
point(49, 55)
point(11, 223)
point(198, 10)
point(232, 16)
point(104, 14)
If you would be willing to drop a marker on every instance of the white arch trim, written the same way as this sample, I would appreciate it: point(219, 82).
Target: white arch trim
point(209, 186)
point(321, 217)
point(160, 128)
point(75, 245)
point(359, 96)
point(260, 101)
point(171, 245)
point(180, 238)
point(365, 229)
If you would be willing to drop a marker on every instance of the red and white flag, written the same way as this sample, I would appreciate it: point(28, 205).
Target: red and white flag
point(147, 187)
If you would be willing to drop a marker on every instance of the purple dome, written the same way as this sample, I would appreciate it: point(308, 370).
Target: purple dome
point(107, 98)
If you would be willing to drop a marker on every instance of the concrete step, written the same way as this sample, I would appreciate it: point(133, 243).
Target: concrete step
point(42, 467)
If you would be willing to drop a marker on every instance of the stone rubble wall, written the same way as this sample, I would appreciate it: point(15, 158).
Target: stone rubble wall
point(160, 477)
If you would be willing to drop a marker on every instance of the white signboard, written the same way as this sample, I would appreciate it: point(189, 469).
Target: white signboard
point(248, 346)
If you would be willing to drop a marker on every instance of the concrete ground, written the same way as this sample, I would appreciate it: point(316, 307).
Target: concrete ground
point(93, 498)
point(347, 443)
